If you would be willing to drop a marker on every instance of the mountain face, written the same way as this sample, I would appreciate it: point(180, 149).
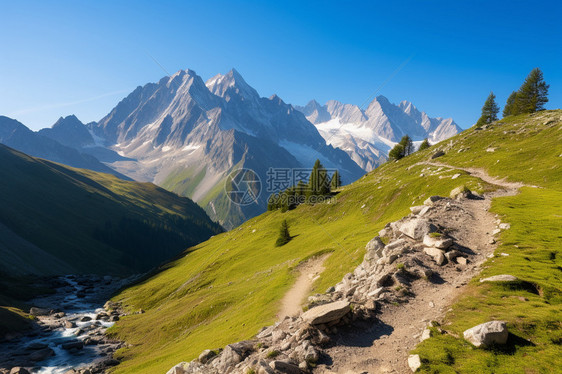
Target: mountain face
point(15, 135)
point(367, 135)
point(56, 220)
point(187, 136)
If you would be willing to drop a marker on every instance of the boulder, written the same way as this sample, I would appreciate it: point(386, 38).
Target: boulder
point(414, 362)
point(500, 278)
point(432, 199)
point(206, 355)
point(460, 192)
point(34, 311)
point(493, 332)
point(178, 369)
point(417, 228)
point(69, 325)
point(437, 255)
point(73, 345)
point(285, 367)
point(437, 242)
point(327, 312)
point(439, 153)
point(41, 354)
point(451, 255)
point(416, 209)
point(374, 248)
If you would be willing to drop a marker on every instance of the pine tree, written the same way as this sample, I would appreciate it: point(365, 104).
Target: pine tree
point(424, 145)
point(284, 235)
point(532, 94)
point(490, 111)
point(397, 152)
point(318, 183)
point(408, 145)
point(335, 183)
point(509, 108)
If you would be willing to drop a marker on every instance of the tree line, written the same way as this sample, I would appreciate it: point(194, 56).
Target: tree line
point(530, 98)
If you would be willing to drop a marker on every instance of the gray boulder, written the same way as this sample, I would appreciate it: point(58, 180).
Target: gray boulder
point(500, 278)
point(414, 362)
point(494, 332)
point(374, 248)
point(34, 311)
point(417, 228)
point(327, 312)
point(285, 367)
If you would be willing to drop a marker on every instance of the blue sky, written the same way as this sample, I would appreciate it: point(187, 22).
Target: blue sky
point(76, 57)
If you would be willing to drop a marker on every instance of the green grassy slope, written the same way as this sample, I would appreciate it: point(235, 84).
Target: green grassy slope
point(227, 288)
point(88, 222)
point(527, 149)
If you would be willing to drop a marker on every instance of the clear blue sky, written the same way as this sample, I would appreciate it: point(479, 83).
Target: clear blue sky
point(78, 57)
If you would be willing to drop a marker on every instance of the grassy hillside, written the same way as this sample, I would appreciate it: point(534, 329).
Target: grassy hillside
point(57, 219)
point(227, 288)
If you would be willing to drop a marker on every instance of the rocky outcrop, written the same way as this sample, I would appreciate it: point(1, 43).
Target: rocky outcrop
point(295, 344)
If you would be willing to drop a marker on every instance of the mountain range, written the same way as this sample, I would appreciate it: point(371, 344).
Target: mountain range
point(190, 136)
point(367, 135)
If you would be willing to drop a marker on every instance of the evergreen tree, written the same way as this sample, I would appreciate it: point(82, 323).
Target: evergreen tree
point(509, 108)
point(318, 183)
point(284, 236)
point(408, 145)
point(490, 111)
point(335, 183)
point(424, 145)
point(532, 94)
point(397, 152)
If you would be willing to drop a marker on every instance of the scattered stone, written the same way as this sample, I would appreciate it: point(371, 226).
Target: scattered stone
point(327, 312)
point(416, 209)
point(461, 260)
point(437, 242)
point(41, 354)
point(504, 226)
point(455, 176)
point(437, 255)
point(439, 153)
point(494, 332)
point(414, 362)
point(500, 278)
point(285, 367)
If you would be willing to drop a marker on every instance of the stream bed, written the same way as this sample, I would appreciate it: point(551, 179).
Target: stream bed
point(69, 336)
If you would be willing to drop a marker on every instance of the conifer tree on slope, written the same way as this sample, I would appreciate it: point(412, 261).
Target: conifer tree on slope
point(509, 108)
point(532, 94)
point(284, 236)
point(319, 183)
point(424, 145)
point(490, 111)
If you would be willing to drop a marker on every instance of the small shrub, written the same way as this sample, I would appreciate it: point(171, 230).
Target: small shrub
point(400, 266)
point(250, 371)
point(272, 354)
point(436, 235)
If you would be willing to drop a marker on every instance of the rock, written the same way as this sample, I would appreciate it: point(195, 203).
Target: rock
point(461, 260)
point(206, 355)
point(327, 312)
point(437, 255)
point(34, 311)
point(414, 362)
point(439, 153)
point(285, 367)
point(19, 370)
point(178, 369)
point(85, 319)
point(500, 278)
point(437, 242)
point(458, 192)
point(426, 334)
point(417, 228)
point(504, 226)
point(69, 324)
point(73, 345)
point(416, 209)
point(455, 176)
point(494, 332)
point(432, 199)
point(374, 248)
point(41, 354)
point(424, 211)
point(451, 255)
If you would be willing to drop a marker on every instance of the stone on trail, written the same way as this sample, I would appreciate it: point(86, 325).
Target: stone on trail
point(417, 228)
point(432, 199)
point(414, 362)
point(500, 278)
point(285, 367)
point(493, 332)
point(327, 312)
point(437, 242)
point(437, 255)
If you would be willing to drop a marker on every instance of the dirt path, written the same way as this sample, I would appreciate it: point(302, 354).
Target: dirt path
point(291, 305)
point(384, 347)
